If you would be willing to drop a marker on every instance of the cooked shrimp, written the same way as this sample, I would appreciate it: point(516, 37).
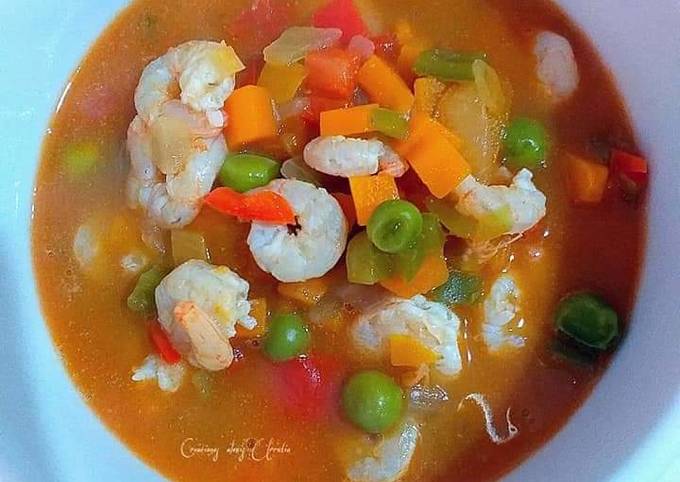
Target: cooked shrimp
point(501, 306)
point(391, 457)
point(525, 202)
point(347, 157)
point(199, 68)
point(169, 377)
point(433, 324)
point(174, 164)
point(308, 250)
point(199, 306)
point(556, 66)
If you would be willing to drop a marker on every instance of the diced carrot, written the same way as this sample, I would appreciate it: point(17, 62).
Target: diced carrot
point(368, 192)
point(432, 274)
point(332, 72)
point(306, 292)
point(428, 90)
point(439, 165)
point(432, 151)
point(258, 310)
point(347, 206)
point(384, 85)
point(419, 127)
point(282, 81)
point(262, 206)
point(251, 117)
point(342, 14)
point(407, 351)
point(587, 180)
point(319, 104)
point(348, 121)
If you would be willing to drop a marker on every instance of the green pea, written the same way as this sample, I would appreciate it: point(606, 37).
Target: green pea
point(588, 319)
point(526, 143)
point(243, 172)
point(372, 401)
point(286, 338)
point(394, 226)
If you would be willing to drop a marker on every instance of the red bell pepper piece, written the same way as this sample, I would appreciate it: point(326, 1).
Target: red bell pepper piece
point(630, 170)
point(259, 25)
point(332, 72)
point(342, 14)
point(263, 206)
point(162, 344)
point(308, 388)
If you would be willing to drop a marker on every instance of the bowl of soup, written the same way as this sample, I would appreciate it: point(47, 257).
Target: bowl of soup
point(347, 240)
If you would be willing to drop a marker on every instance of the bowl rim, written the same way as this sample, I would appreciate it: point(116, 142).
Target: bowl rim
point(50, 431)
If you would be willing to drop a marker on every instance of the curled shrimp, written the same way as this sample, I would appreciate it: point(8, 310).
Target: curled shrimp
point(524, 201)
point(431, 323)
point(199, 306)
point(347, 157)
point(173, 164)
point(308, 250)
point(199, 69)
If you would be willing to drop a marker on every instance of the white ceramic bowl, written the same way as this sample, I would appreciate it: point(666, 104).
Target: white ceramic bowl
point(628, 430)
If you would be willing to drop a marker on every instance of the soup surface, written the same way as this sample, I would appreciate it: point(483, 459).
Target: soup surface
point(261, 418)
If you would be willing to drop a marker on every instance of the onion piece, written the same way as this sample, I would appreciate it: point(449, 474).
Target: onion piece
point(296, 42)
point(361, 46)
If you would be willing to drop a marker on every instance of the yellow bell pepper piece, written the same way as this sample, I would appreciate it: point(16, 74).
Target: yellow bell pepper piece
point(368, 192)
point(282, 81)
